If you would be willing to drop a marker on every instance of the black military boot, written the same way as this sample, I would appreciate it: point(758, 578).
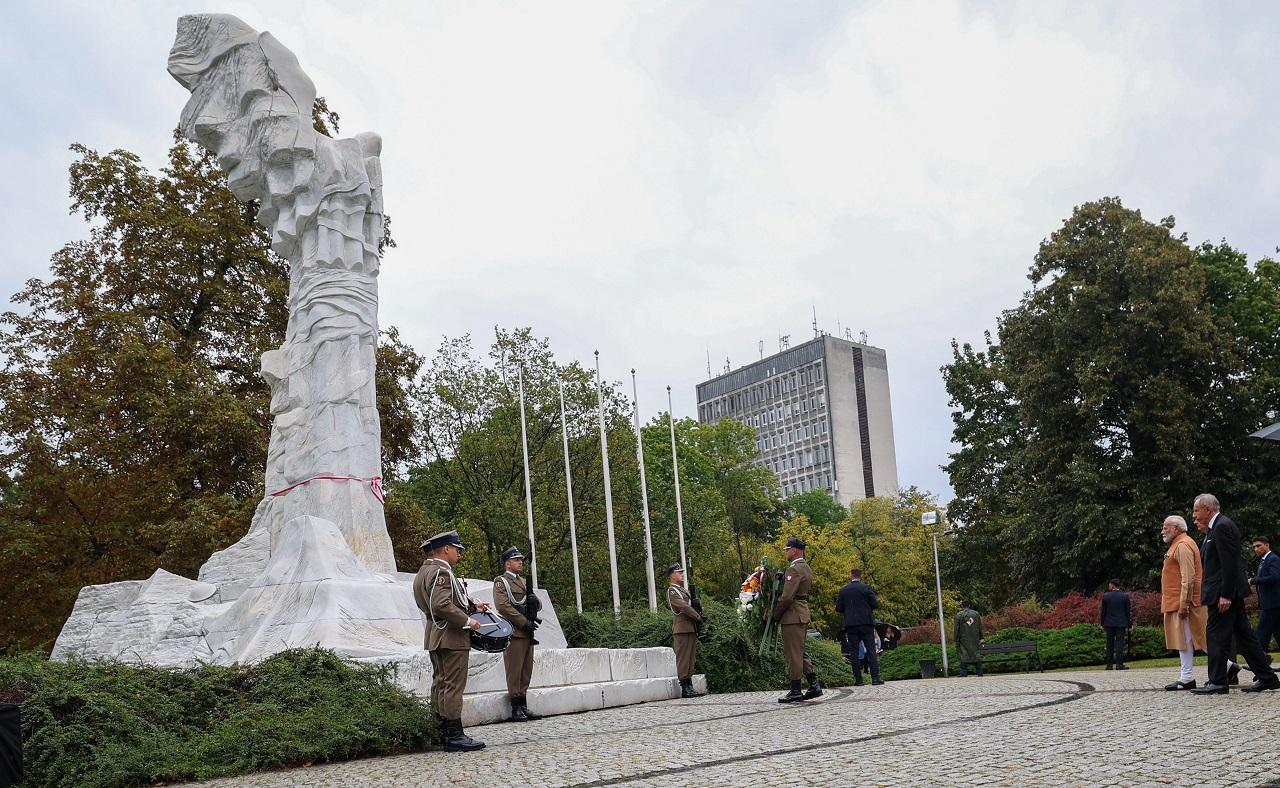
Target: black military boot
point(457, 741)
point(815, 687)
point(524, 706)
point(687, 690)
point(442, 730)
point(794, 694)
point(517, 709)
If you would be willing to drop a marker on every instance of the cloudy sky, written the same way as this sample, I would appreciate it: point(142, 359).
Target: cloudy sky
point(663, 180)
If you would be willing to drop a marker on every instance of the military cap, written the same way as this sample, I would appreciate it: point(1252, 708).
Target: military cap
point(440, 540)
point(796, 543)
point(512, 552)
point(673, 569)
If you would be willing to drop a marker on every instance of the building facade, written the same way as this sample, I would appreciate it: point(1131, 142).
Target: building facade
point(821, 414)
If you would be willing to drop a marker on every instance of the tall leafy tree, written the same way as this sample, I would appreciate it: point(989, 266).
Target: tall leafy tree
point(472, 475)
point(1124, 383)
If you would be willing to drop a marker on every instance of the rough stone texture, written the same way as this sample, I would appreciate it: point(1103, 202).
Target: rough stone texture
point(1077, 728)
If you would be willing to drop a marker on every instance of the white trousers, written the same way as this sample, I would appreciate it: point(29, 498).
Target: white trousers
point(1188, 654)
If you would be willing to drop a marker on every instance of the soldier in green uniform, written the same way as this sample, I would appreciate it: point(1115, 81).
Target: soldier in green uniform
point(444, 600)
point(968, 638)
point(510, 596)
point(792, 613)
point(684, 630)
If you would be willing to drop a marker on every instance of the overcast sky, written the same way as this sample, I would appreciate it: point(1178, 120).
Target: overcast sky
point(660, 180)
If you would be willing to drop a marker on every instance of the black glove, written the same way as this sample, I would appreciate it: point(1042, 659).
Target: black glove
point(530, 626)
point(696, 604)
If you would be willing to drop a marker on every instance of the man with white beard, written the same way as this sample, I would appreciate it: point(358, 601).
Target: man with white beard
point(1180, 581)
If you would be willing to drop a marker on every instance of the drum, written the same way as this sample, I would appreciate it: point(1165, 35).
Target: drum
point(494, 633)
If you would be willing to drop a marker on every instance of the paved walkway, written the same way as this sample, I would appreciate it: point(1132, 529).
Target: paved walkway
point(1051, 729)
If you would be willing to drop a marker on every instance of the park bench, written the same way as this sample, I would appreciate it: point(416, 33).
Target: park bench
point(1028, 649)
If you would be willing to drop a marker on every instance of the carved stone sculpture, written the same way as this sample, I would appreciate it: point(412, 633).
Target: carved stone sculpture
point(321, 199)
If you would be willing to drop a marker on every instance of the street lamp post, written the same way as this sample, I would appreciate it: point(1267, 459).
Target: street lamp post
point(926, 519)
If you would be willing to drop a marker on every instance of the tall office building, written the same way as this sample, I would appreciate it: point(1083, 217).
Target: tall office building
point(821, 414)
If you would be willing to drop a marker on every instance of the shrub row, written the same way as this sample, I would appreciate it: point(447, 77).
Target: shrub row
point(729, 656)
point(115, 724)
point(1080, 644)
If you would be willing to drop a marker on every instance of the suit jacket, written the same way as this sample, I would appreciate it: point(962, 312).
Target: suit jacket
point(856, 600)
point(1223, 564)
point(1116, 610)
point(1267, 581)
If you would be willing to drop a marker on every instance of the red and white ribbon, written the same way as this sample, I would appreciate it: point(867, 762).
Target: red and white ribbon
point(375, 485)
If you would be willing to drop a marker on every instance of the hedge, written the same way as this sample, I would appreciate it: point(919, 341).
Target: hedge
point(106, 724)
point(729, 656)
point(1082, 644)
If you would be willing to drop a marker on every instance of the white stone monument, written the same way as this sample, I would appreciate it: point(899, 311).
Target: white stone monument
point(316, 566)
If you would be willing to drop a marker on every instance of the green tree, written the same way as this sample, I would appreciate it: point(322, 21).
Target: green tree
point(472, 475)
point(817, 505)
point(1124, 383)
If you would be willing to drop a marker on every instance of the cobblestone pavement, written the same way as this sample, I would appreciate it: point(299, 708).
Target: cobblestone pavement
point(1059, 729)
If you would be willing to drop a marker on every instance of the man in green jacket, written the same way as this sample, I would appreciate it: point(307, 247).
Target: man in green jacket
point(968, 639)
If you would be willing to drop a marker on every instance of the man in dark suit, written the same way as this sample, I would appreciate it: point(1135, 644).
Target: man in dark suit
point(1267, 581)
point(856, 601)
point(1116, 616)
point(1223, 593)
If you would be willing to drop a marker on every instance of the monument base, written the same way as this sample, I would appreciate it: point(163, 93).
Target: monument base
point(565, 680)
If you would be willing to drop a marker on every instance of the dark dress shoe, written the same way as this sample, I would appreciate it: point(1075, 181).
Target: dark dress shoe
point(1181, 685)
point(1270, 682)
point(1122, 667)
point(794, 696)
point(1233, 675)
point(1211, 689)
point(876, 682)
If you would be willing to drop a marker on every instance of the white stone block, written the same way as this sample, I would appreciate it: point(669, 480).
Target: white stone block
point(625, 693)
point(628, 664)
point(662, 662)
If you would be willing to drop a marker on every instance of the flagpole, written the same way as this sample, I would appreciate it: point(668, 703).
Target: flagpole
point(644, 499)
point(675, 467)
point(568, 486)
point(528, 496)
point(608, 494)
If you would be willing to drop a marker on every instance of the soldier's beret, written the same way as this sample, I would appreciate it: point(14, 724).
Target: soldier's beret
point(796, 543)
point(440, 540)
point(673, 569)
point(512, 552)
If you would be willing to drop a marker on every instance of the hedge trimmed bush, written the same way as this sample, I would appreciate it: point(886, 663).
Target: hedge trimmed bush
point(1082, 644)
point(729, 657)
point(105, 724)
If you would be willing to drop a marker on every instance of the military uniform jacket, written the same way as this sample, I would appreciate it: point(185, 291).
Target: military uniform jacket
point(793, 602)
point(508, 591)
point(442, 598)
point(684, 618)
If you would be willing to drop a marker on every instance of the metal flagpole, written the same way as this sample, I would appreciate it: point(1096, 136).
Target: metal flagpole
point(675, 467)
point(568, 486)
point(608, 494)
point(528, 496)
point(644, 498)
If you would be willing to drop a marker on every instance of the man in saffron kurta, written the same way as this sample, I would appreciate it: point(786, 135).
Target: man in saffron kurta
point(1180, 582)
